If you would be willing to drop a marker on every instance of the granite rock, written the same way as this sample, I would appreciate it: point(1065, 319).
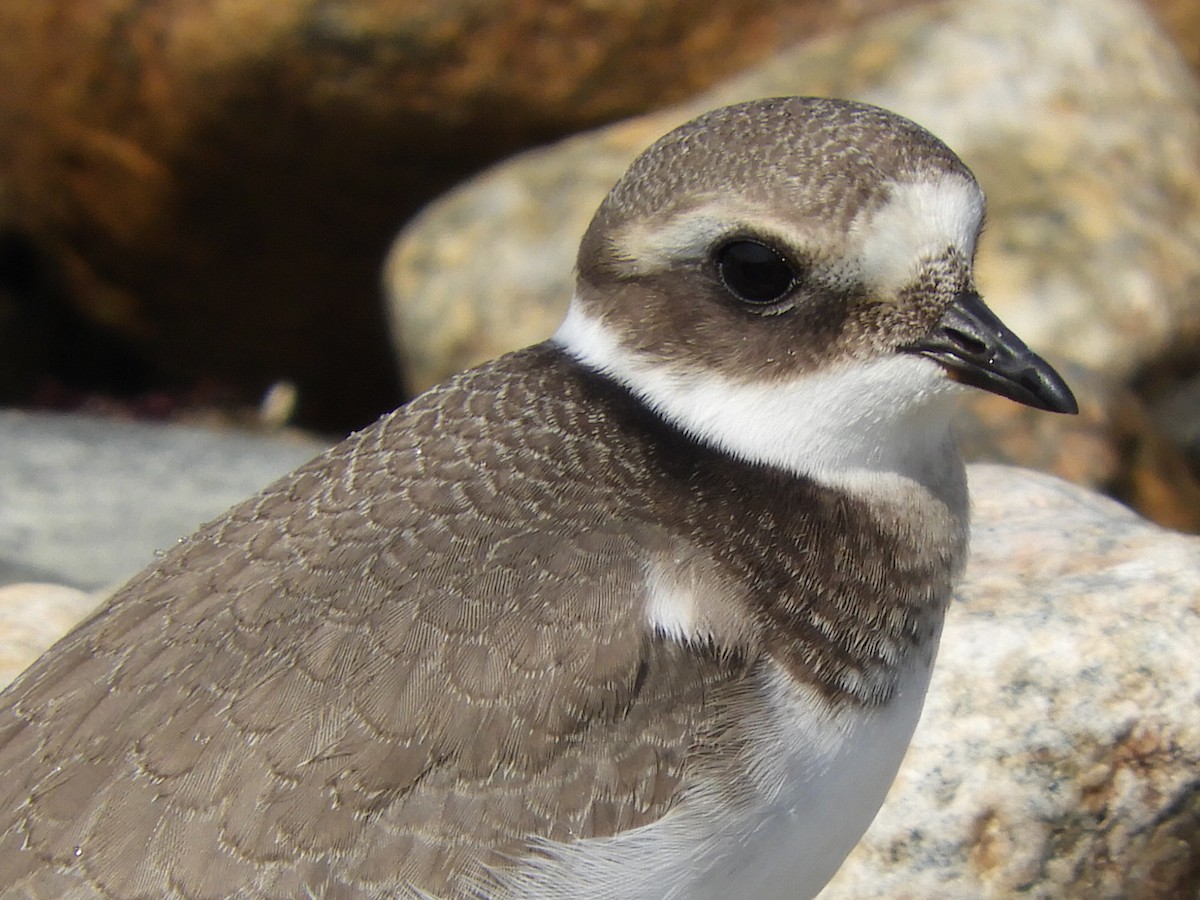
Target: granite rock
point(1092, 251)
point(1058, 755)
point(1118, 443)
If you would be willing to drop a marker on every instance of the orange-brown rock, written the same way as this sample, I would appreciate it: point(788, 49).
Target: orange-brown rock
point(1181, 20)
point(219, 179)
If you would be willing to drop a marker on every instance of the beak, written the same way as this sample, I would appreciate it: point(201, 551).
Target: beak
point(978, 349)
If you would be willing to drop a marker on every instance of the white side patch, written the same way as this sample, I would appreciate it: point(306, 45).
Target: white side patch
point(671, 609)
point(688, 600)
point(855, 421)
point(920, 219)
point(830, 774)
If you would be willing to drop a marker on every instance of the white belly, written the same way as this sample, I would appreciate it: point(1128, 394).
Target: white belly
point(820, 778)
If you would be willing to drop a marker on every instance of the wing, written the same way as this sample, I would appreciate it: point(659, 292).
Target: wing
point(374, 677)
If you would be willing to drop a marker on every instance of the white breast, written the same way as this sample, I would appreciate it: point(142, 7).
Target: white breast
point(819, 777)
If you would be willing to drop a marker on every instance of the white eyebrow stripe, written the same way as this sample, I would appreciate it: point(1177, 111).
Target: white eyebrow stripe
point(650, 246)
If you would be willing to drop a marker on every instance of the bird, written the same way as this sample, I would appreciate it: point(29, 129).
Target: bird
point(647, 610)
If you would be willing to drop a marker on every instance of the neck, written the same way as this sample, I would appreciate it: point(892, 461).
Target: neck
point(861, 425)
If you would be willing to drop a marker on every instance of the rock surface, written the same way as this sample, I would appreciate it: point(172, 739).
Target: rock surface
point(1175, 412)
point(33, 616)
point(1181, 20)
point(202, 174)
point(86, 502)
point(1092, 251)
point(1059, 753)
point(1058, 756)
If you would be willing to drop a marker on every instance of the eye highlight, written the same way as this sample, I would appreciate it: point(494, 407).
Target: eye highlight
point(754, 272)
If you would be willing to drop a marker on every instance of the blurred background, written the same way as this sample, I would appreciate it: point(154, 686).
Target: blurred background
point(270, 213)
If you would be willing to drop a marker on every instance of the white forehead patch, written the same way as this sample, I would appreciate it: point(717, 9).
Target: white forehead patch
point(921, 219)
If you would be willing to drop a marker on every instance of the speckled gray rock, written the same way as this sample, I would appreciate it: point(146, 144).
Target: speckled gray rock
point(1059, 752)
point(85, 502)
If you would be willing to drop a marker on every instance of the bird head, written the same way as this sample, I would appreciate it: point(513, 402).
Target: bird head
point(796, 266)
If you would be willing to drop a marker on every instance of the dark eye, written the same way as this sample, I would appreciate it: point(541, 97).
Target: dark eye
point(754, 272)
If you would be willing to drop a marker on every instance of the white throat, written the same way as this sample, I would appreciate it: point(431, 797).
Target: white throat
point(843, 426)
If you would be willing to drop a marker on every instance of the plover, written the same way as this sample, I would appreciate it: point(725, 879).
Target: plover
point(645, 611)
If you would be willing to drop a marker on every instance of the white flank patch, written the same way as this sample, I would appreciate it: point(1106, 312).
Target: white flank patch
point(858, 420)
point(920, 220)
point(671, 609)
point(688, 601)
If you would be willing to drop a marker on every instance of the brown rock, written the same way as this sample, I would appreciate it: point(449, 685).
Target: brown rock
point(220, 180)
point(1157, 477)
point(1181, 20)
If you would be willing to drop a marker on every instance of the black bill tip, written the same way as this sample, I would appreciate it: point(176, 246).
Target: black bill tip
point(978, 349)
